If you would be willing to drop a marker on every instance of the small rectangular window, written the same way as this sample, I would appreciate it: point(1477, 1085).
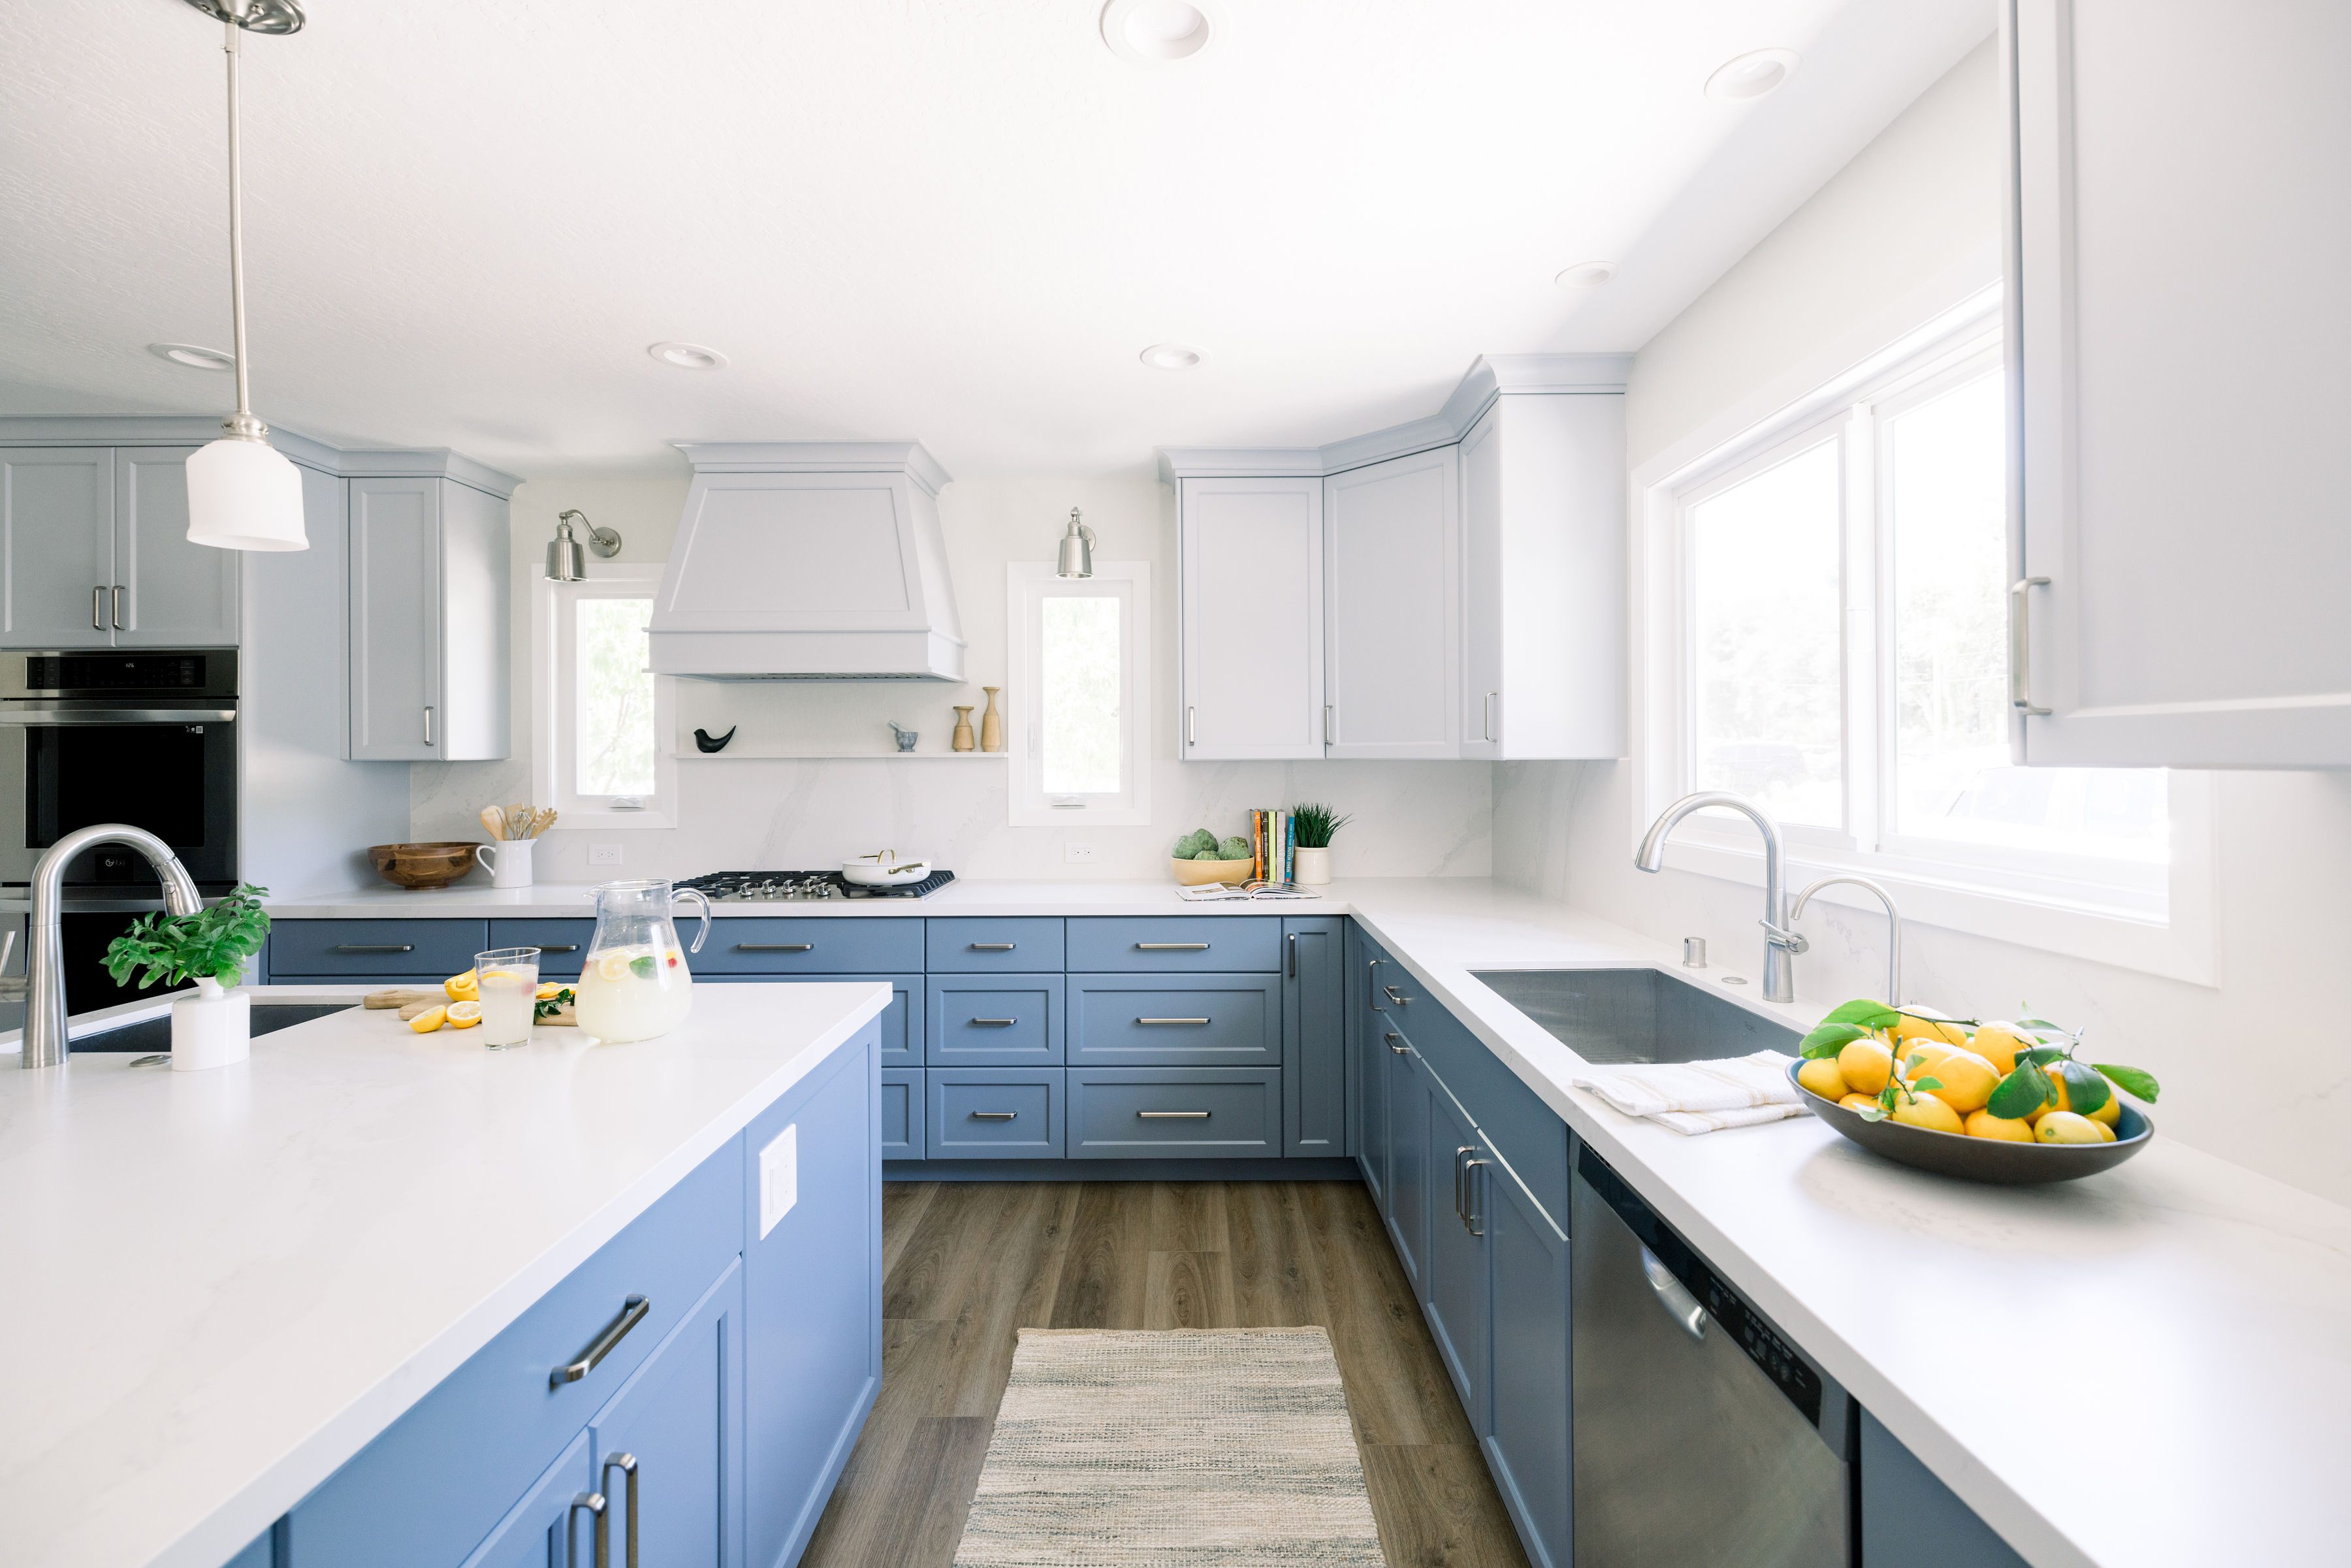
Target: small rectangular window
point(1078, 694)
point(603, 757)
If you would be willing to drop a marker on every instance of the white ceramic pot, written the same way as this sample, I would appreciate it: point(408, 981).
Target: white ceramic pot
point(507, 862)
point(1313, 866)
point(210, 1029)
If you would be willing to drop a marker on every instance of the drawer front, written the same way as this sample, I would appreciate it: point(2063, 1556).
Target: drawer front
point(902, 1113)
point(478, 1441)
point(993, 947)
point(1178, 944)
point(1003, 1114)
point(1136, 1113)
point(769, 944)
point(369, 949)
point(1176, 1020)
point(1010, 1020)
point(561, 944)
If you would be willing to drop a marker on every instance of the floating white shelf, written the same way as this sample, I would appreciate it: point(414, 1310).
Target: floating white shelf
point(734, 754)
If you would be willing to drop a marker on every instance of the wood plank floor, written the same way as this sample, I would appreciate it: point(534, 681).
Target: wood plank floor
point(968, 1264)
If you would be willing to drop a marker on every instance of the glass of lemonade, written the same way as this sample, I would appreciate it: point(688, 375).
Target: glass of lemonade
point(508, 977)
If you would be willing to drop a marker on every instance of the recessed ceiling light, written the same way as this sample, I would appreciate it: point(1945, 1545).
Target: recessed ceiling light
point(1158, 32)
point(1170, 356)
point(196, 356)
point(1751, 75)
point(687, 356)
point(1586, 275)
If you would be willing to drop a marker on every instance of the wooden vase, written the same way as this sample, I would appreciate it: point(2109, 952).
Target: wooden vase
point(963, 726)
point(992, 723)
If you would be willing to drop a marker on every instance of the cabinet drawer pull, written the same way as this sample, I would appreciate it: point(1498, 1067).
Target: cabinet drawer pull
point(1459, 1212)
point(1397, 998)
point(627, 1464)
point(1474, 1220)
point(558, 946)
point(118, 607)
point(375, 947)
point(775, 947)
point(633, 1312)
point(1171, 947)
point(1173, 1115)
point(994, 1115)
point(601, 1535)
point(1372, 971)
point(990, 946)
point(1172, 1023)
point(991, 1023)
point(1293, 955)
point(428, 726)
point(1401, 1050)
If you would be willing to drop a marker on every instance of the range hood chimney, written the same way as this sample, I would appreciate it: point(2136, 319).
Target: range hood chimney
point(809, 561)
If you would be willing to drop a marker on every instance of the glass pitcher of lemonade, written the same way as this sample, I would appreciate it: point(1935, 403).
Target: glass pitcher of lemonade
point(633, 984)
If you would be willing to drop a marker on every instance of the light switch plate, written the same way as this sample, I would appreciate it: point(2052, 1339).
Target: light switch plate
point(779, 1178)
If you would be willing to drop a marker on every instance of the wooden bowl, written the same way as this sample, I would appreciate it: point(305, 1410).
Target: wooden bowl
point(1983, 1159)
point(1194, 873)
point(416, 866)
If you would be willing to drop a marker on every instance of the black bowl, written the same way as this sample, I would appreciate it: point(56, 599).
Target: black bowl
point(1981, 1159)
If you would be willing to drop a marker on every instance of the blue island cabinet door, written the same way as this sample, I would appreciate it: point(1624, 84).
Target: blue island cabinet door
point(811, 1296)
point(555, 1523)
point(1526, 1431)
point(1314, 1037)
point(669, 1446)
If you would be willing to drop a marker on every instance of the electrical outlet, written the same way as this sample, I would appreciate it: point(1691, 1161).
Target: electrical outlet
point(1078, 853)
point(603, 855)
point(779, 1178)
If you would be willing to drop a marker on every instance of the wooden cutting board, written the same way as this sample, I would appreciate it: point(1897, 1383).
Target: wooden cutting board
point(414, 1004)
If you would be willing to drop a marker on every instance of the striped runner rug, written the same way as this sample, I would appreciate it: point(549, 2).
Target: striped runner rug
point(1183, 1448)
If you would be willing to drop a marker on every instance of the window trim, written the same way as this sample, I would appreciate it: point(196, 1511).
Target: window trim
point(2038, 909)
point(1029, 584)
point(551, 712)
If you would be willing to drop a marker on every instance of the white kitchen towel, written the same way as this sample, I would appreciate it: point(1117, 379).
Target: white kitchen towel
point(1693, 1097)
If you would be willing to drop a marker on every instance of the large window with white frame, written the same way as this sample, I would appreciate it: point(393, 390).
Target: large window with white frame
point(1828, 637)
point(602, 751)
point(1080, 694)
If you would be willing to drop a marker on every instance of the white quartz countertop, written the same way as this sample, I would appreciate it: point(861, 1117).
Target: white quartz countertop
point(577, 900)
point(220, 1286)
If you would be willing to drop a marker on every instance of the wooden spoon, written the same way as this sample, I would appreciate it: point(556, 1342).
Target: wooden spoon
point(494, 821)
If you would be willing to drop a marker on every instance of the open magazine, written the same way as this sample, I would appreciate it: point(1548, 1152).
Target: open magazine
point(1222, 892)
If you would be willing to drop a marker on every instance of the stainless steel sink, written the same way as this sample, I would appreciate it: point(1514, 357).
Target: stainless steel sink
point(155, 1033)
point(1636, 1015)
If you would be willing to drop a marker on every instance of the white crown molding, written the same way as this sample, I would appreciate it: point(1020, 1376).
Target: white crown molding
point(909, 457)
point(1488, 377)
point(196, 429)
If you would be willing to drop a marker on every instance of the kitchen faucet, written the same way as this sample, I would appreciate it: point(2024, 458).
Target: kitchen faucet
point(1780, 944)
point(43, 988)
point(1893, 926)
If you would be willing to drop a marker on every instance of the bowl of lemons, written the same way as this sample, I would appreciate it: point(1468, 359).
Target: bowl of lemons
point(1994, 1101)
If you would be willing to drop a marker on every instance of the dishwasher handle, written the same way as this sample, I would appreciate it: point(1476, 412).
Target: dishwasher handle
point(1674, 1296)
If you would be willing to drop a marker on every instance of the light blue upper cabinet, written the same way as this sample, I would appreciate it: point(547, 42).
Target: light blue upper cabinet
point(2179, 326)
point(1392, 608)
point(428, 621)
point(57, 547)
point(166, 593)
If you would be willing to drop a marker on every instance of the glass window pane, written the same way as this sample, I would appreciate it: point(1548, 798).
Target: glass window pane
point(1767, 659)
point(1084, 746)
point(1945, 463)
point(615, 738)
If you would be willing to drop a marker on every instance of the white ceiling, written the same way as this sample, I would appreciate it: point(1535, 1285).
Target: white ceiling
point(958, 220)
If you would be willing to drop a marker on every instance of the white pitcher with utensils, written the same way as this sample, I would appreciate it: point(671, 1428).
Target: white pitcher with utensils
point(507, 862)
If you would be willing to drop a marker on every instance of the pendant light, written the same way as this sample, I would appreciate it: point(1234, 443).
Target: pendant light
point(242, 492)
point(1077, 550)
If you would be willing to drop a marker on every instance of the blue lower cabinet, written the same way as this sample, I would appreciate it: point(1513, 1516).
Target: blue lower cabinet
point(993, 1113)
point(668, 1447)
point(1455, 1296)
point(902, 1113)
point(1025, 945)
point(1314, 1028)
point(1408, 1159)
point(1375, 1040)
point(1175, 1020)
point(375, 949)
point(261, 1554)
point(1527, 1430)
point(557, 1523)
point(1152, 1113)
point(1909, 1518)
point(1166, 943)
point(993, 1021)
point(561, 944)
point(775, 947)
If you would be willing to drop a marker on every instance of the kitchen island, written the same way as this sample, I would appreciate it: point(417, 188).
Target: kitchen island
point(314, 1306)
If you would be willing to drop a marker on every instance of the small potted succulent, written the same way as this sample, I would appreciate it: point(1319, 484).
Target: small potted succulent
point(213, 1026)
point(1202, 857)
point(1315, 826)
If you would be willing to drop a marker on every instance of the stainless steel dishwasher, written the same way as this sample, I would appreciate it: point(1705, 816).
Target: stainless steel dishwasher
point(1702, 1436)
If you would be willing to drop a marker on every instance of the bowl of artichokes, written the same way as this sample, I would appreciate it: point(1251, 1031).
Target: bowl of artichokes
point(1202, 857)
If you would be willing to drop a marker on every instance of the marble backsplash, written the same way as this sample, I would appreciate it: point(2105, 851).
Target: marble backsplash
point(1411, 819)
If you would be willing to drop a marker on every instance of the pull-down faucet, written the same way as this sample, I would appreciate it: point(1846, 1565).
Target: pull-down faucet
point(44, 985)
point(1780, 944)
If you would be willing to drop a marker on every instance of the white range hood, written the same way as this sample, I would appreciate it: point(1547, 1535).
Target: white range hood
point(809, 561)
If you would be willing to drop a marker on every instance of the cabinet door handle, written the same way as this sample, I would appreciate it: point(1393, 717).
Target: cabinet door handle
point(1191, 726)
point(601, 1534)
point(990, 946)
point(994, 1115)
point(118, 607)
point(775, 947)
point(1171, 947)
point(98, 609)
point(627, 1464)
point(428, 724)
point(1487, 714)
point(1172, 1023)
point(991, 1023)
point(1404, 1049)
point(1293, 955)
point(633, 1312)
point(2019, 645)
point(1373, 969)
point(1326, 724)
point(1460, 1153)
point(1475, 1220)
point(1394, 996)
point(375, 947)
point(1173, 1115)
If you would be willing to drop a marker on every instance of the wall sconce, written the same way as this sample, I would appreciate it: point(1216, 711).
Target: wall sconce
point(566, 561)
point(1077, 550)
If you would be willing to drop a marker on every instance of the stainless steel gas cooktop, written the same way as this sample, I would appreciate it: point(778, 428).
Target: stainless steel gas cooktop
point(803, 886)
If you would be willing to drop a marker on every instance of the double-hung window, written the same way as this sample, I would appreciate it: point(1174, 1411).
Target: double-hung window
point(1080, 694)
point(1828, 603)
point(602, 751)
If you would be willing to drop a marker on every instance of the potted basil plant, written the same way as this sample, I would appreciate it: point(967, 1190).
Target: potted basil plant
point(213, 1026)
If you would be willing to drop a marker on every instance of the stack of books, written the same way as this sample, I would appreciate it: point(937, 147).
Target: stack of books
point(1273, 838)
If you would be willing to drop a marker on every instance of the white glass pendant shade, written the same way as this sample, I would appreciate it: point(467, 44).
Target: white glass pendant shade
point(244, 494)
